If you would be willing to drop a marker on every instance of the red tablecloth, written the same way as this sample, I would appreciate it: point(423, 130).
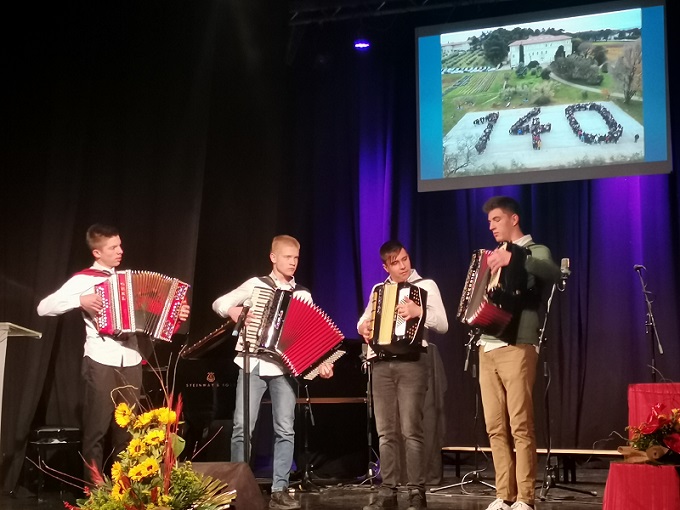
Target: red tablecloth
point(641, 486)
point(641, 398)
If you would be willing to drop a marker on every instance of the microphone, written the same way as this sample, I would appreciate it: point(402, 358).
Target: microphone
point(637, 267)
point(241, 320)
point(564, 269)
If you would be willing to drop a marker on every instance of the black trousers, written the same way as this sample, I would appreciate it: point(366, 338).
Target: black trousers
point(105, 387)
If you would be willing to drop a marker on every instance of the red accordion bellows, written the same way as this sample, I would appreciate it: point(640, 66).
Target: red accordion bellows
point(298, 333)
point(140, 302)
point(475, 308)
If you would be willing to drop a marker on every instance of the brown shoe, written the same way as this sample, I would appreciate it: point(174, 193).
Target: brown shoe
point(282, 500)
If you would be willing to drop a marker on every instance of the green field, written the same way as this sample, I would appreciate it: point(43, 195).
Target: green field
point(471, 92)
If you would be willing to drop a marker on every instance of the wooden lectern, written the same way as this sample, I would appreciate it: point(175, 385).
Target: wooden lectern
point(8, 329)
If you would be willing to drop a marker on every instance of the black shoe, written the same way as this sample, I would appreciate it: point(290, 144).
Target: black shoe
point(383, 500)
point(416, 499)
point(282, 500)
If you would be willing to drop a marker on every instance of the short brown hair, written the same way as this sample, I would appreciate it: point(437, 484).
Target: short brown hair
point(284, 240)
point(507, 204)
point(98, 233)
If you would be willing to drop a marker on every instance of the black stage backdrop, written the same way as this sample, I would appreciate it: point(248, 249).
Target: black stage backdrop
point(203, 129)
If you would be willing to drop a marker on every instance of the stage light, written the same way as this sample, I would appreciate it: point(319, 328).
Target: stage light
point(361, 44)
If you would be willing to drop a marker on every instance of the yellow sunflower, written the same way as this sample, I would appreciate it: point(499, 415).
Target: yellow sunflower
point(166, 415)
point(144, 419)
point(116, 471)
point(136, 447)
point(123, 414)
point(118, 492)
point(154, 437)
point(147, 468)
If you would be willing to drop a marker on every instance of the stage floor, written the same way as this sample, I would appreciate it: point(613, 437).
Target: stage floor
point(336, 494)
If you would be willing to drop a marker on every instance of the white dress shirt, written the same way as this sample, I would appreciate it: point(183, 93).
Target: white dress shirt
point(107, 350)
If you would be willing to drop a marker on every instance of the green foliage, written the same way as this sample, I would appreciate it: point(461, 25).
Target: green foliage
point(495, 49)
point(521, 70)
point(578, 69)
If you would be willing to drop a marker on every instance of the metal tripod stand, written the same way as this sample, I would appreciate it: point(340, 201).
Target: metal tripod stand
point(474, 475)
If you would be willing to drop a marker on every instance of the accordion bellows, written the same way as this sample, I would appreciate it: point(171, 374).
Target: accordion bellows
point(489, 301)
point(296, 332)
point(140, 302)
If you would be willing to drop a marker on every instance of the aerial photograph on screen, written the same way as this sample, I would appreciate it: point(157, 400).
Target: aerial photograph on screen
point(543, 95)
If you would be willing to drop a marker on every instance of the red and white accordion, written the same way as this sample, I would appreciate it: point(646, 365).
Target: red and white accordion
point(490, 301)
point(140, 302)
point(295, 332)
point(391, 333)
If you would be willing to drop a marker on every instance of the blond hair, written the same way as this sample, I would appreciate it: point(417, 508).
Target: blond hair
point(284, 240)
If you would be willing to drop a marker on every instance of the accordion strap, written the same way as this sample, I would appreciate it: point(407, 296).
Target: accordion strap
point(93, 272)
point(268, 280)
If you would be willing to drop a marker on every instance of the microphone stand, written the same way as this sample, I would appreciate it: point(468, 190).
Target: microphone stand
point(549, 476)
point(650, 323)
point(373, 467)
point(472, 476)
point(246, 382)
point(307, 484)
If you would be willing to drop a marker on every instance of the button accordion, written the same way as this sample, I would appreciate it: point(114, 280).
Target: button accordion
point(140, 302)
point(292, 331)
point(490, 301)
point(391, 333)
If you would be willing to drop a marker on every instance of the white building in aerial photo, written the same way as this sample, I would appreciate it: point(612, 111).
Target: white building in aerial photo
point(540, 48)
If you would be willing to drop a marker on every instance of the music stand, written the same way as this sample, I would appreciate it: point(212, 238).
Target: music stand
point(549, 476)
point(474, 475)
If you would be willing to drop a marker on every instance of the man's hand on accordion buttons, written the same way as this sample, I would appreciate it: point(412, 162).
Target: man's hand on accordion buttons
point(499, 259)
point(184, 311)
point(409, 309)
point(92, 304)
point(365, 329)
point(326, 370)
point(234, 314)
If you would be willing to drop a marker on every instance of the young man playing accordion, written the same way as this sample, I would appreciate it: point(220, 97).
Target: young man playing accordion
point(112, 365)
point(507, 363)
point(265, 373)
point(400, 381)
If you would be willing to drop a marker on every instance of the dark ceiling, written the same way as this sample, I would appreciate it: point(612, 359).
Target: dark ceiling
point(323, 11)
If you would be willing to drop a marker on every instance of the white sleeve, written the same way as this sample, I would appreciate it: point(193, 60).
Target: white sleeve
point(67, 298)
point(435, 319)
point(241, 295)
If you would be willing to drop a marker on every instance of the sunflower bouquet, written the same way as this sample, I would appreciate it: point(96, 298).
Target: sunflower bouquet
point(147, 475)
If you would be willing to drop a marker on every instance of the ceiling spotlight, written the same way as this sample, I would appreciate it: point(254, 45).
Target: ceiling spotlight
point(361, 44)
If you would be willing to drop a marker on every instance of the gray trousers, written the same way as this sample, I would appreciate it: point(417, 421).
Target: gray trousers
point(399, 389)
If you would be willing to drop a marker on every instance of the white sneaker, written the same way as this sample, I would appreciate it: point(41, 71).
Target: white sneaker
point(520, 505)
point(498, 504)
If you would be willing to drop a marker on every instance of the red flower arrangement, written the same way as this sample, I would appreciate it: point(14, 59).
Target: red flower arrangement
point(659, 435)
